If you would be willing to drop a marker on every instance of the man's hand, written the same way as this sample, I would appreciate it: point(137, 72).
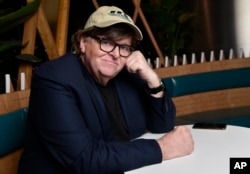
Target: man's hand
point(136, 63)
point(176, 143)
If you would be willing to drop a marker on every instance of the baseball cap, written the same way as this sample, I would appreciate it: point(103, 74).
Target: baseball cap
point(106, 16)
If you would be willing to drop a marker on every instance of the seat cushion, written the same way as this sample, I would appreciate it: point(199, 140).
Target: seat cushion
point(12, 130)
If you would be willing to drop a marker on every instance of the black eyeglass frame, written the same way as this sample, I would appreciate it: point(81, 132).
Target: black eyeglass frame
point(101, 40)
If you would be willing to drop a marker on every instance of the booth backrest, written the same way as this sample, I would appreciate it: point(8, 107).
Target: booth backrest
point(210, 89)
point(12, 131)
point(208, 81)
point(13, 114)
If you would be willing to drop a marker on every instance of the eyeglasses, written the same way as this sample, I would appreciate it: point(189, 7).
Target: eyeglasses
point(108, 46)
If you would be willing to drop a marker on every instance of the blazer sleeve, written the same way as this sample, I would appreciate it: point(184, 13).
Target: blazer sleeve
point(162, 113)
point(62, 130)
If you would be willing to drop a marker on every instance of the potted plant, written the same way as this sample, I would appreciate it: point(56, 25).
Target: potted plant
point(169, 20)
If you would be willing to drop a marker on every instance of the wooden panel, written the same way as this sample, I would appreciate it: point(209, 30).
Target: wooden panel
point(9, 163)
point(214, 100)
point(13, 101)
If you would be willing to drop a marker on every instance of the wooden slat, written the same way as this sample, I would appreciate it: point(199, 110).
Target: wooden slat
point(46, 35)
point(95, 3)
point(54, 47)
point(62, 24)
point(29, 36)
point(139, 11)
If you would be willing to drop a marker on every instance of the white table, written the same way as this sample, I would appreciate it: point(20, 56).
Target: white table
point(213, 149)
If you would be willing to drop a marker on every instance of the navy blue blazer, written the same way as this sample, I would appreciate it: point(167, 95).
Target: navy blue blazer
point(68, 128)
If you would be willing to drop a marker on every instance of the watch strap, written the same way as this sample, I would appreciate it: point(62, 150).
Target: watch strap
point(156, 89)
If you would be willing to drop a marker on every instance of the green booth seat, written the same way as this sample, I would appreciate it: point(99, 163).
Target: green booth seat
point(12, 130)
point(211, 81)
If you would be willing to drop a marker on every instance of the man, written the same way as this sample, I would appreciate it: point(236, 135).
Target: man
point(87, 108)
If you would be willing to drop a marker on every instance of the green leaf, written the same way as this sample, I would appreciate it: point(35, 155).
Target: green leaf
point(18, 17)
point(185, 17)
point(29, 58)
point(9, 45)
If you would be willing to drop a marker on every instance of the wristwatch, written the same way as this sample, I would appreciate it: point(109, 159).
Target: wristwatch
point(156, 89)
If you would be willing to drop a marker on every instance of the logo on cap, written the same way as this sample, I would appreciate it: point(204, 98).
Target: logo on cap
point(119, 14)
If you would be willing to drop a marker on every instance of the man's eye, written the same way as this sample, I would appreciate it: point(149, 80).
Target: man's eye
point(107, 42)
point(125, 48)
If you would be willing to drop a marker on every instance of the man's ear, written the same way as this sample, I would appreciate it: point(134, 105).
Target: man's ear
point(83, 44)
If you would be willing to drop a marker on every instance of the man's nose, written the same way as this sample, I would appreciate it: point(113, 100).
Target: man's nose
point(116, 52)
